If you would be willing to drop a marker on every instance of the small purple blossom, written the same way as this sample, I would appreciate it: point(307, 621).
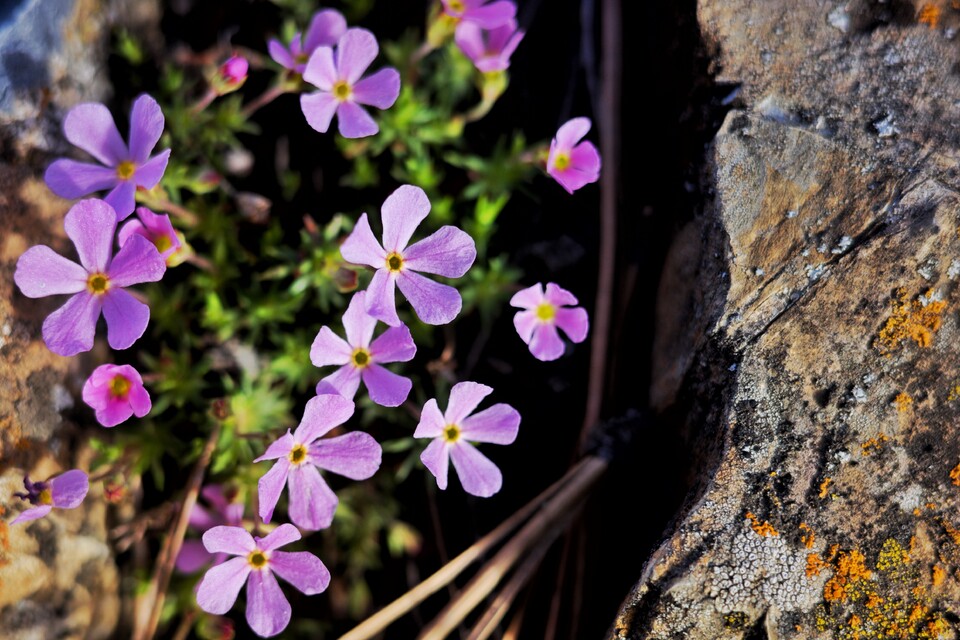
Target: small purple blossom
point(223, 510)
point(361, 359)
point(355, 455)
point(485, 14)
point(115, 392)
point(448, 252)
point(451, 431)
point(234, 70)
point(268, 611)
point(97, 286)
point(91, 127)
point(65, 491)
point(573, 165)
point(338, 76)
point(542, 314)
point(325, 30)
point(157, 229)
point(489, 50)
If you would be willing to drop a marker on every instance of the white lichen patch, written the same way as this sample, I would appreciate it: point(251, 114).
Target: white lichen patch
point(60, 398)
point(954, 270)
point(931, 297)
point(843, 244)
point(910, 498)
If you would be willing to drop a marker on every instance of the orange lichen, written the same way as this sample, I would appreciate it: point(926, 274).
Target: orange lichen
point(902, 402)
point(815, 564)
point(825, 487)
point(761, 529)
point(929, 15)
point(939, 575)
point(912, 320)
point(855, 621)
point(873, 444)
point(808, 537)
point(849, 569)
point(873, 601)
point(955, 475)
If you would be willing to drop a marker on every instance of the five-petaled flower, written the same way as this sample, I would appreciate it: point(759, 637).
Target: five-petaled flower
point(452, 430)
point(573, 165)
point(97, 286)
point(268, 611)
point(542, 314)
point(485, 14)
point(157, 229)
point(355, 455)
point(447, 252)
point(338, 76)
point(65, 491)
point(361, 359)
point(115, 392)
point(225, 510)
point(91, 127)
point(325, 29)
point(489, 50)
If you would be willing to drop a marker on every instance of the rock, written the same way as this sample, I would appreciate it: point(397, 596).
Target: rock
point(822, 382)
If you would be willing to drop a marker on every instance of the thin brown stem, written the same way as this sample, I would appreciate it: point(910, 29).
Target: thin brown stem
point(263, 100)
point(186, 622)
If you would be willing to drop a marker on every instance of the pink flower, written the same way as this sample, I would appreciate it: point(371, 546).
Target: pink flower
point(65, 491)
point(325, 29)
point(233, 71)
point(448, 252)
point(573, 165)
point(193, 555)
point(115, 392)
point(342, 91)
point(155, 228)
point(543, 313)
point(451, 431)
point(487, 15)
point(268, 611)
point(489, 50)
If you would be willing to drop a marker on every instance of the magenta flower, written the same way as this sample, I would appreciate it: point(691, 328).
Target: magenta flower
point(452, 430)
point(97, 286)
point(342, 91)
point(325, 29)
point(573, 165)
point(193, 555)
point(542, 314)
point(360, 359)
point(155, 228)
point(487, 15)
point(65, 491)
point(489, 50)
point(115, 392)
point(268, 611)
point(355, 455)
point(234, 69)
point(91, 127)
point(448, 252)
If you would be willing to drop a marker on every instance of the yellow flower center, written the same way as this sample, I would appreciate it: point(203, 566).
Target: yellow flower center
point(125, 170)
point(98, 283)
point(451, 433)
point(394, 262)
point(257, 559)
point(546, 312)
point(298, 454)
point(360, 357)
point(162, 242)
point(456, 6)
point(561, 161)
point(45, 497)
point(342, 90)
point(301, 58)
point(119, 387)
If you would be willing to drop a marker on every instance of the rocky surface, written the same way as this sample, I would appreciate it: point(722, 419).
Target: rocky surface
point(817, 340)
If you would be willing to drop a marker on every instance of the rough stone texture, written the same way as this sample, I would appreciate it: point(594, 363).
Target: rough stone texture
point(818, 338)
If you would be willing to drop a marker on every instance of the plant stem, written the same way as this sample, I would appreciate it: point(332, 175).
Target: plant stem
point(263, 100)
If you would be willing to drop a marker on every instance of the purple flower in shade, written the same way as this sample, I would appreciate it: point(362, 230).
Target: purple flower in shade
point(65, 491)
point(115, 392)
point(489, 50)
point(91, 127)
point(268, 612)
point(234, 70)
point(542, 314)
point(360, 358)
point(355, 455)
point(97, 286)
point(342, 91)
point(193, 555)
point(325, 29)
point(573, 165)
point(158, 230)
point(487, 15)
point(452, 430)
point(448, 252)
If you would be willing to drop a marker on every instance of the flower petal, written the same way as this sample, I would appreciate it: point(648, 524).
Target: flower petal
point(221, 585)
point(447, 252)
point(528, 298)
point(70, 329)
point(574, 323)
point(464, 398)
point(278, 448)
point(137, 261)
point(356, 49)
point(345, 382)
point(71, 179)
point(545, 343)
point(571, 132)
point(312, 502)
point(321, 69)
point(355, 455)
point(436, 459)
point(126, 318)
point(526, 322)
point(432, 422)
point(319, 108)
point(478, 475)
point(559, 296)
point(139, 399)
point(33, 513)
point(328, 349)
point(201, 519)
point(492, 15)
point(402, 213)
point(148, 174)
point(497, 425)
point(236, 541)
point(361, 247)
point(123, 198)
point(270, 486)
point(354, 121)
point(381, 298)
point(322, 414)
point(280, 54)
point(379, 90)
point(386, 388)
point(113, 412)
point(91, 127)
point(325, 29)
point(357, 323)
point(469, 37)
point(69, 489)
point(303, 570)
point(43, 272)
point(268, 612)
point(192, 557)
point(146, 127)
point(393, 345)
point(279, 537)
point(90, 225)
point(434, 303)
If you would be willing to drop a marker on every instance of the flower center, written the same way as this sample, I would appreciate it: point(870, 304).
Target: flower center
point(298, 454)
point(45, 497)
point(125, 170)
point(257, 559)
point(451, 433)
point(98, 283)
point(361, 357)
point(119, 387)
point(394, 261)
point(455, 6)
point(162, 242)
point(561, 161)
point(342, 90)
point(546, 312)
point(301, 58)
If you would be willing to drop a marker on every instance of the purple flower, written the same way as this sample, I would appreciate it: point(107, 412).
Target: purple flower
point(115, 392)
point(234, 69)
point(451, 431)
point(448, 252)
point(91, 127)
point(355, 455)
point(573, 165)
point(193, 555)
point(489, 50)
point(342, 91)
point(543, 313)
point(487, 15)
point(65, 491)
point(360, 358)
point(97, 285)
point(325, 29)
point(158, 230)
point(268, 612)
